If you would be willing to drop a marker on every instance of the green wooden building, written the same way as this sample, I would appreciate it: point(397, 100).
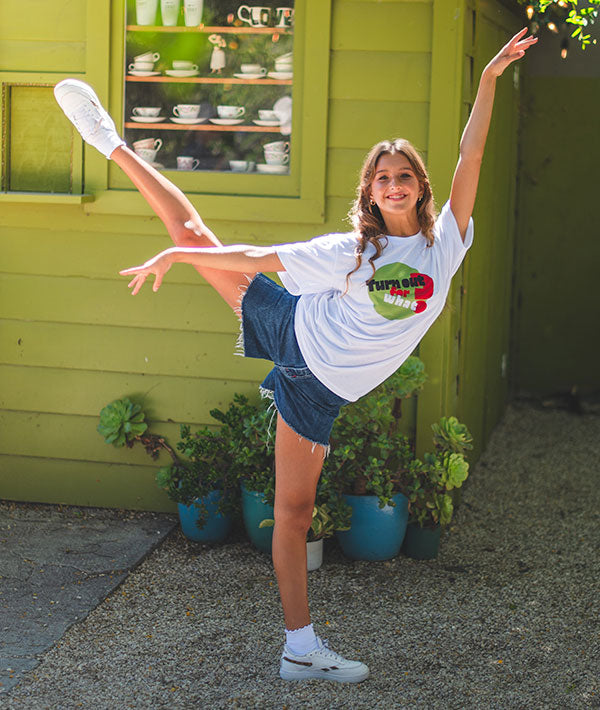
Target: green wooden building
point(72, 339)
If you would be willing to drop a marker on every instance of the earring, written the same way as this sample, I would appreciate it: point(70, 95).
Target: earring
point(372, 201)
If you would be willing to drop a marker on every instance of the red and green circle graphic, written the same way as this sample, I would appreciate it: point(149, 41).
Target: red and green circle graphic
point(399, 291)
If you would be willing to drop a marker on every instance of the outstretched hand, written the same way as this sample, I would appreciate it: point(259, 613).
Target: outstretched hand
point(158, 265)
point(514, 49)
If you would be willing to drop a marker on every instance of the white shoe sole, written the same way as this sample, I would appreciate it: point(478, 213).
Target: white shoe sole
point(323, 675)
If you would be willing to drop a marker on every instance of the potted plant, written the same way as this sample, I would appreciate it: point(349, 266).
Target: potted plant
point(247, 429)
point(429, 484)
point(368, 458)
point(203, 485)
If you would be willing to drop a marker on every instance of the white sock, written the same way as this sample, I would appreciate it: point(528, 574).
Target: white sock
point(301, 641)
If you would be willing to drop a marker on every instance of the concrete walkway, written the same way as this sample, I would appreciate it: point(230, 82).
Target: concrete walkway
point(505, 618)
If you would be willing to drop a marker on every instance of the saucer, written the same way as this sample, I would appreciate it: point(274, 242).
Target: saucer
point(181, 73)
point(135, 72)
point(226, 121)
point(281, 74)
point(187, 121)
point(249, 76)
point(147, 119)
point(273, 169)
point(266, 123)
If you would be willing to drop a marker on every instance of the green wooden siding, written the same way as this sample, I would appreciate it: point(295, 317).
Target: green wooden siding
point(72, 338)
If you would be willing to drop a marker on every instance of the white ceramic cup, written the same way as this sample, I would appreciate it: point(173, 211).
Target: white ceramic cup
point(277, 146)
point(253, 69)
point(146, 154)
point(267, 115)
point(241, 166)
point(192, 12)
point(284, 17)
point(148, 144)
point(169, 9)
point(254, 16)
point(187, 162)
point(146, 111)
point(231, 111)
point(184, 64)
point(141, 66)
point(187, 110)
point(145, 11)
point(276, 157)
point(284, 65)
point(147, 57)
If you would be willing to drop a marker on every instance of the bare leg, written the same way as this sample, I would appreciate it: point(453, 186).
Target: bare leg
point(174, 209)
point(297, 468)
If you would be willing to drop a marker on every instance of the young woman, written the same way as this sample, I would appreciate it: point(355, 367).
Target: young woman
point(354, 307)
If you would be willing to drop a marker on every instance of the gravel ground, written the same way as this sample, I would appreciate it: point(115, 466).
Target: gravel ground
point(505, 618)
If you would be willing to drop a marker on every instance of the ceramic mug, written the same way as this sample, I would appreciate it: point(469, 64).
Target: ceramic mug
point(147, 57)
point(254, 16)
point(169, 10)
point(141, 66)
point(276, 157)
point(231, 111)
point(148, 144)
point(284, 17)
point(187, 162)
point(187, 110)
point(145, 111)
point(145, 11)
point(192, 12)
point(277, 146)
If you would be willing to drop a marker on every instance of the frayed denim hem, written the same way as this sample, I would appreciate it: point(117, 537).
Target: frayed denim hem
point(237, 309)
point(269, 394)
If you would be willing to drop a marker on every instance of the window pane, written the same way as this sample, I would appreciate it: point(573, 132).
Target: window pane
point(208, 84)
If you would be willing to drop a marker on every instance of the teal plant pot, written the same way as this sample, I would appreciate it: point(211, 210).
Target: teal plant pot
point(422, 543)
point(215, 529)
point(254, 511)
point(376, 533)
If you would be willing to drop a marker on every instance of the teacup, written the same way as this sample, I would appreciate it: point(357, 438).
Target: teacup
point(283, 66)
point(254, 16)
point(147, 57)
point(187, 162)
point(278, 146)
point(146, 111)
point(184, 65)
point(253, 69)
point(230, 111)
point(187, 110)
point(141, 66)
point(241, 166)
point(284, 16)
point(276, 157)
point(146, 154)
point(148, 144)
point(267, 115)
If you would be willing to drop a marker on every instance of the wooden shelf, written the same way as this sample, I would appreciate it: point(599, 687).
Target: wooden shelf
point(202, 127)
point(206, 80)
point(212, 30)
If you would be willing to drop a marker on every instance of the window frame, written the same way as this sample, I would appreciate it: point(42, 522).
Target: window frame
point(299, 197)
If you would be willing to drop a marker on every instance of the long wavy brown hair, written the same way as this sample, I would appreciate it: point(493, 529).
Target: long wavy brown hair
point(367, 219)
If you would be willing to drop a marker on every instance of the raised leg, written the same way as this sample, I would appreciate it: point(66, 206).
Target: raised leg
point(298, 466)
point(175, 210)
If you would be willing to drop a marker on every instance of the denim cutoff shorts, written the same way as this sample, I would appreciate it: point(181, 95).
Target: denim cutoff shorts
point(304, 403)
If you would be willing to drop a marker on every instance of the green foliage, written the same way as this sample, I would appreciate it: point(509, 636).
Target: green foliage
point(325, 521)
point(368, 453)
point(121, 422)
point(427, 483)
point(562, 17)
point(249, 430)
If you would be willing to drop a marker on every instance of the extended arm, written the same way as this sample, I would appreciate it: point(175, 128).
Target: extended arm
point(240, 257)
point(472, 144)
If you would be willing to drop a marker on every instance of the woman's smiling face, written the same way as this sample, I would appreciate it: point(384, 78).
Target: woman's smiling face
point(395, 188)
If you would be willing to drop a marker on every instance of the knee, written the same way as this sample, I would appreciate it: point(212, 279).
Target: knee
point(295, 517)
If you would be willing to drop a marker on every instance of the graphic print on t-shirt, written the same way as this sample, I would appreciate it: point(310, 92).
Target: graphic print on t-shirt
point(398, 291)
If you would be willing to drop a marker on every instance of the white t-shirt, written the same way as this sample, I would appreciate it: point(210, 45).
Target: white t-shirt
point(355, 341)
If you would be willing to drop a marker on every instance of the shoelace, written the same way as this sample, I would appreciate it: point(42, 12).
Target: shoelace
point(330, 652)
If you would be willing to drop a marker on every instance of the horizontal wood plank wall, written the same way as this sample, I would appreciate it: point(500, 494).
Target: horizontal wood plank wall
point(71, 337)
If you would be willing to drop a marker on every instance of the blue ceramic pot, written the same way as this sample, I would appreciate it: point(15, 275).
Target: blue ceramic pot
point(215, 529)
point(254, 511)
point(376, 533)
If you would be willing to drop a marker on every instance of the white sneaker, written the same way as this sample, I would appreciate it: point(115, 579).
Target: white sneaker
point(83, 108)
point(321, 663)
